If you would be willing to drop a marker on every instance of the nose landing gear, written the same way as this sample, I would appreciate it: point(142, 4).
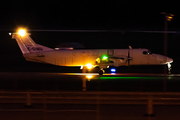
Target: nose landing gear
point(169, 68)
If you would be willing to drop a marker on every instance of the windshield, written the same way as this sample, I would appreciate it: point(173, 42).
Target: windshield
point(147, 52)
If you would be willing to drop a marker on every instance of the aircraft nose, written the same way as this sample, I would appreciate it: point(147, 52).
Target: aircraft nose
point(169, 60)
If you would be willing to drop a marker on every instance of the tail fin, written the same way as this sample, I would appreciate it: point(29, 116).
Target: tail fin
point(27, 45)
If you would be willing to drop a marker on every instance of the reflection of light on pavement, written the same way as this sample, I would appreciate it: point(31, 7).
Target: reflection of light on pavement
point(88, 74)
point(79, 73)
point(89, 77)
point(148, 76)
point(113, 73)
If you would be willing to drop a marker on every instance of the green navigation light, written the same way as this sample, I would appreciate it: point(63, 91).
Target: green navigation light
point(104, 57)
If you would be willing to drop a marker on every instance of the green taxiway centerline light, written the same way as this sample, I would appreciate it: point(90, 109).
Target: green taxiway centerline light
point(104, 57)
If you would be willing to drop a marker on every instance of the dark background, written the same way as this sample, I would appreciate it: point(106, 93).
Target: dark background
point(127, 17)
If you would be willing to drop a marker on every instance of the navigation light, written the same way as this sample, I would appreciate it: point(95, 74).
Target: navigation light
point(104, 57)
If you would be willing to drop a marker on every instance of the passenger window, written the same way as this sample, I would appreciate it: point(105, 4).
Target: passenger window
point(145, 52)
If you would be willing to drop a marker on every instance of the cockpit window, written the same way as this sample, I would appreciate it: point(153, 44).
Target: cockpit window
point(145, 52)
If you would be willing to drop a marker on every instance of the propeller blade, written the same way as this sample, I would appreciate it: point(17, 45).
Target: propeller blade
point(129, 57)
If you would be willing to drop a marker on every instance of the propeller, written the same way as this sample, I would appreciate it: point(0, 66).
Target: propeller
point(129, 58)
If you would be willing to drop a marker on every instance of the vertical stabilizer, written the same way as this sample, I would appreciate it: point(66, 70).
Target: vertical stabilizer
point(27, 45)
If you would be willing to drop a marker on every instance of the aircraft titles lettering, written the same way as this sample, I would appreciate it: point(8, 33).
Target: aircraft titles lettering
point(35, 48)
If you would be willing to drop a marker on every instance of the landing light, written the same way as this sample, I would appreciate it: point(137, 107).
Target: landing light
point(89, 65)
point(21, 32)
point(169, 65)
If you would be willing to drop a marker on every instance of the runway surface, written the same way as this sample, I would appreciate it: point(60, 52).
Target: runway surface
point(94, 82)
point(105, 112)
point(72, 82)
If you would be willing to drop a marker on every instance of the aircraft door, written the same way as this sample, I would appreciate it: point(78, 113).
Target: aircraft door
point(145, 57)
point(110, 52)
point(139, 57)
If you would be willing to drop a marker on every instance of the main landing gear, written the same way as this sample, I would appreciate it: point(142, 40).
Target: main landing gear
point(101, 71)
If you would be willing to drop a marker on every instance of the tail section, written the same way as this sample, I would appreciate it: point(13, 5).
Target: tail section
point(27, 45)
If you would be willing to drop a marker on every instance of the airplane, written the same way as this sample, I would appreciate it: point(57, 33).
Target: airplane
point(87, 58)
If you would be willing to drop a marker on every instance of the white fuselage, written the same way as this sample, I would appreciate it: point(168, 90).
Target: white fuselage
point(82, 57)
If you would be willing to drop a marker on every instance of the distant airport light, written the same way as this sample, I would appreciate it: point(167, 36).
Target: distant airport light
point(22, 32)
point(113, 70)
point(169, 17)
point(104, 57)
point(89, 65)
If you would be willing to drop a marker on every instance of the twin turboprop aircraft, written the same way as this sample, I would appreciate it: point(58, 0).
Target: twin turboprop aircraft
point(87, 58)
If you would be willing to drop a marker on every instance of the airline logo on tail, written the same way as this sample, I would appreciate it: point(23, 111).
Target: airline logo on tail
point(26, 44)
point(32, 48)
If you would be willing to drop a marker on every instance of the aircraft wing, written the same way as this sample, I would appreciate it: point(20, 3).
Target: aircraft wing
point(113, 61)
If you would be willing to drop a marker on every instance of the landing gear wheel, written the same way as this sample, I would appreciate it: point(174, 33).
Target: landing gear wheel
point(101, 72)
point(169, 68)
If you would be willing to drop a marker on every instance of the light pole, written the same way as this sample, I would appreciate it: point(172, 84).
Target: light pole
point(167, 17)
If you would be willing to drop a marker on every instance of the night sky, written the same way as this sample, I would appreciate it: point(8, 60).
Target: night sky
point(90, 15)
point(87, 14)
